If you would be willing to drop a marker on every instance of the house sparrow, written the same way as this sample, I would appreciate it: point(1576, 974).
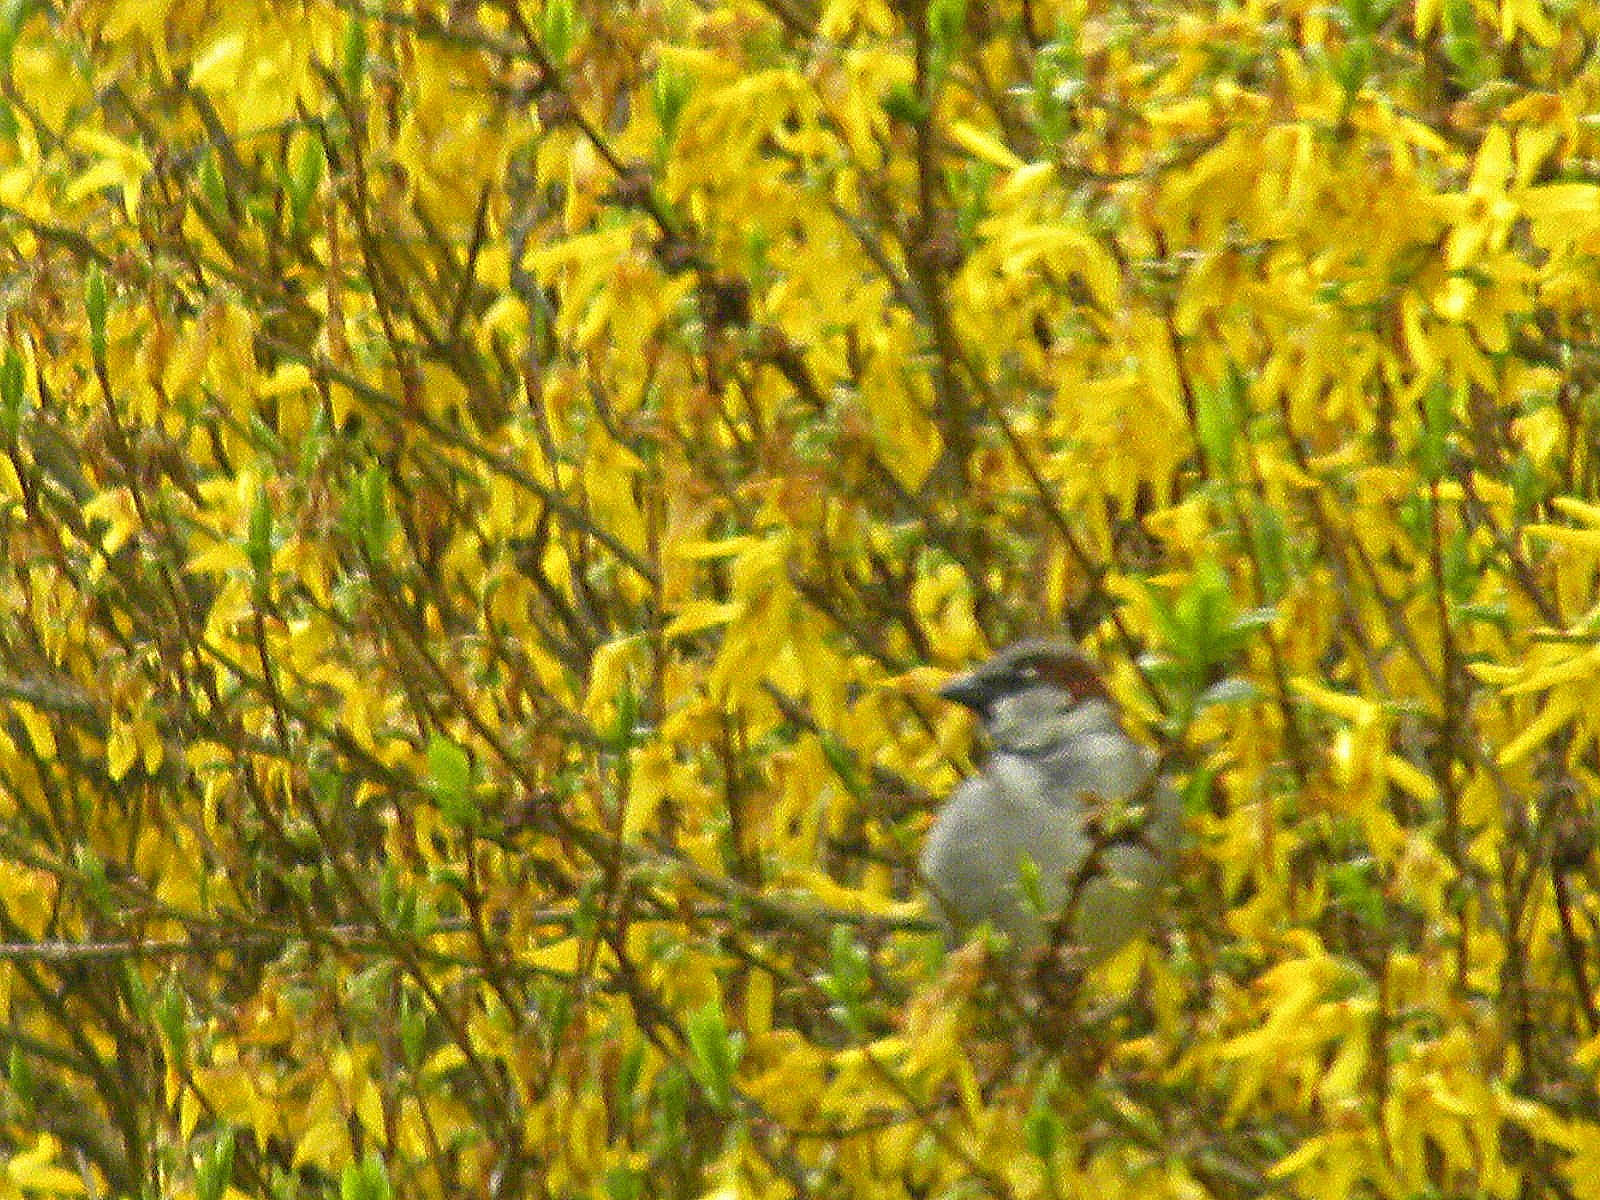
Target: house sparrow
point(1066, 788)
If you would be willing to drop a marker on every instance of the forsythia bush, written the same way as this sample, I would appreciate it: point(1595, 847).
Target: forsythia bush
point(488, 491)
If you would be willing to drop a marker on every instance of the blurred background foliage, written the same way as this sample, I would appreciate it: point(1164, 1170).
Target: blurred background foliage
point(487, 492)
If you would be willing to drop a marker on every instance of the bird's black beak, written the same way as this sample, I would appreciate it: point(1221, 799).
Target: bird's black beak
point(974, 689)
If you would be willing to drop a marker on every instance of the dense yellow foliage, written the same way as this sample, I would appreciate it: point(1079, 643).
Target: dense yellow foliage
point(487, 492)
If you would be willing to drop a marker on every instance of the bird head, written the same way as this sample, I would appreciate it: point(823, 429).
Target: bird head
point(1033, 694)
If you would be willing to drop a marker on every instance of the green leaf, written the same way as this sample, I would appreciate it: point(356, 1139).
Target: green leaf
point(258, 542)
point(303, 182)
point(1197, 789)
point(1460, 569)
point(1353, 65)
point(947, 27)
point(1219, 415)
point(366, 511)
point(624, 1183)
point(625, 731)
point(1527, 488)
point(1438, 422)
point(560, 28)
point(1414, 515)
point(848, 979)
point(172, 1018)
point(93, 872)
point(13, 393)
point(902, 104)
point(1357, 888)
point(19, 1075)
point(670, 91)
point(214, 1168)
point(450, 772)
point(12, 15)
point(212, 185)
point(1058, 81)
point(1028, 879)
point(1043, 1128)
point(714, 1054)
point(368, 1180)
point(843, 762)
point(315, 443)
point(94, 302)
point(1463, 44)
point(353, 56)
point(413, 1030)
point(1270, 541)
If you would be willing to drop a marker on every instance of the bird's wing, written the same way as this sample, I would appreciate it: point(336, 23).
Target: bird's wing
point(973, 858)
